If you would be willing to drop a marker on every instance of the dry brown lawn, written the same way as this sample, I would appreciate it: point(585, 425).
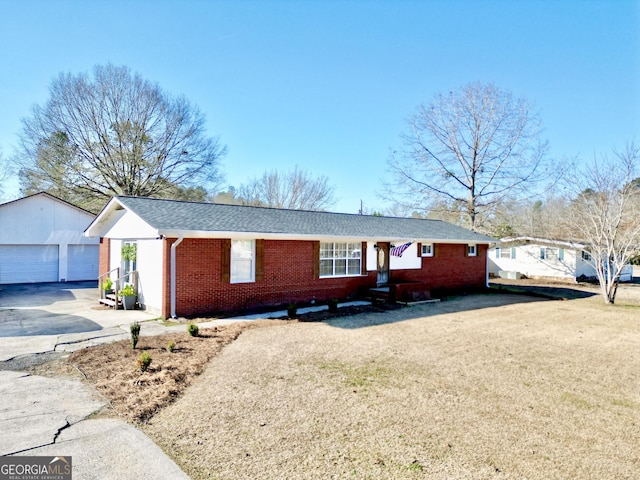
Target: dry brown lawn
point(486, 386)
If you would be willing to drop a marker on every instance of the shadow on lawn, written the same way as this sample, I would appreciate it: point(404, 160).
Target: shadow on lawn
point(550, 292)
point(496, 296)
point(391, 314)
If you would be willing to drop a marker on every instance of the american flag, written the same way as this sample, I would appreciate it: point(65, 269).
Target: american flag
point(399, 250)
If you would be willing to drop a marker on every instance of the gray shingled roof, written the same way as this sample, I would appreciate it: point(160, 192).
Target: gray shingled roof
point(171, 215)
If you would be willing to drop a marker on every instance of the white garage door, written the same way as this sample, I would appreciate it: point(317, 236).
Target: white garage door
point(28, 263)
point(82, 263)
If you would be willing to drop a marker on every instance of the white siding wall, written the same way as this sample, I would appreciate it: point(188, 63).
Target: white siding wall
point(528, 262)
point(129, 225)
point(408, 261)
point(115, 255)
point(372, 257)
point(42, 220)
point(584, 268)
point(149, 264)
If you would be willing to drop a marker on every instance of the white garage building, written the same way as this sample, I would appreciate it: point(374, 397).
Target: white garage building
point(41, 241)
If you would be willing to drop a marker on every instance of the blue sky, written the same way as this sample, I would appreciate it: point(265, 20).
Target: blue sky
point(328, 85)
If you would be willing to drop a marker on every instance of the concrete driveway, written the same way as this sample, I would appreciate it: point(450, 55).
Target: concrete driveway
point(57, 308)
point(53, 416)
point(36, 318)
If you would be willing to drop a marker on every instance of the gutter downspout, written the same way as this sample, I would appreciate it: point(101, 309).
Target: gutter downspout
point(173, 275)
point(486, 267)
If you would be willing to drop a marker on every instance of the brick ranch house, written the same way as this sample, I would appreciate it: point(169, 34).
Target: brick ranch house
point(198, 258)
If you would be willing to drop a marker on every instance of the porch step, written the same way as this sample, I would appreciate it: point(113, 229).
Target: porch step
point(379, 294)
point(111, 300)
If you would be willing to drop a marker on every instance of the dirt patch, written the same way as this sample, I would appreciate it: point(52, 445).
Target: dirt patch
point(136, 395)
point(486, 386)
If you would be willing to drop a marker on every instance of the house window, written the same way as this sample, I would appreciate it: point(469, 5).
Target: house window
point(551, 254)
point(586, 256)
point(471, 250)
point(243, 253)
point(427, 249)
point(505, 252)
point(340, 259)
point(129, 255)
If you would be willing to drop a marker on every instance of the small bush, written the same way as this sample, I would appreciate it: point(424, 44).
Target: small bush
point(292, 310)
point(171, 346)
point(333, 305)
point(107, 285)
point(193, 329)
point(135, 333)
point(144, 360)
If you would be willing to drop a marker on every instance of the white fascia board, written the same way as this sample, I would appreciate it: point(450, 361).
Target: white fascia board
point(308, 237)
point(117, 222)
point(97, 227)
point(257, 235)
point(541, 241)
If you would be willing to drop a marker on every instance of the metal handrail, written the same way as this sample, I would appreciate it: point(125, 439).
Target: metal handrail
point(105, 275)
point(120, 281)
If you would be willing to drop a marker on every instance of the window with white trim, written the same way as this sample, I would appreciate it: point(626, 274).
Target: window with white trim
point(502, 252)
point(243, 265)
point(427, 249)
point(552, 254)
point(472, 250)
point(340, 259)
point(586, 256)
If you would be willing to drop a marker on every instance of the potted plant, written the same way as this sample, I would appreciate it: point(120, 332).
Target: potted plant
point(128, 295)
point(107, 286)
point(129, 252)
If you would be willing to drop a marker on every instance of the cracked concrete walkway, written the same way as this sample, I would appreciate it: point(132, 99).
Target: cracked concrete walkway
point(53, 416)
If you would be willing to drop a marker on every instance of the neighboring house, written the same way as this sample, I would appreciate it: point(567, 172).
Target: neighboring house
point(542, 258)
point(197, 258)
point(41, 240)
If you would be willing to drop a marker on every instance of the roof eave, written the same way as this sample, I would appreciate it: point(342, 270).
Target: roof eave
point(177, 233)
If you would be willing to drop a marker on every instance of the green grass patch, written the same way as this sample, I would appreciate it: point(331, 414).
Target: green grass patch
point(359, 376)
point(576, 401)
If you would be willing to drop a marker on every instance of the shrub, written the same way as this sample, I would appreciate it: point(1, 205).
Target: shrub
point(144, 360)
point(333, 305)
point(171, 346)
point(192, 329)
point(107, 284)
point(135, 333)
point(292, 309)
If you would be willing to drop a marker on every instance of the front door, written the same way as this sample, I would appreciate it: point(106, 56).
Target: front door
point(383, 263)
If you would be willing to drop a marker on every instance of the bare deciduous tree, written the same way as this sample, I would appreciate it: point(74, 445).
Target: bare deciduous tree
point(604, 214)
point(472, 147)
point(542, 217)
point(297, 190)
point(114, 134)
point(4, 172)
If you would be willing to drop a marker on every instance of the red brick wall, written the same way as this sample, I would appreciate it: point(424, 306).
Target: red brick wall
point(103, 264)
point(449, 270)
point(288, 276)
